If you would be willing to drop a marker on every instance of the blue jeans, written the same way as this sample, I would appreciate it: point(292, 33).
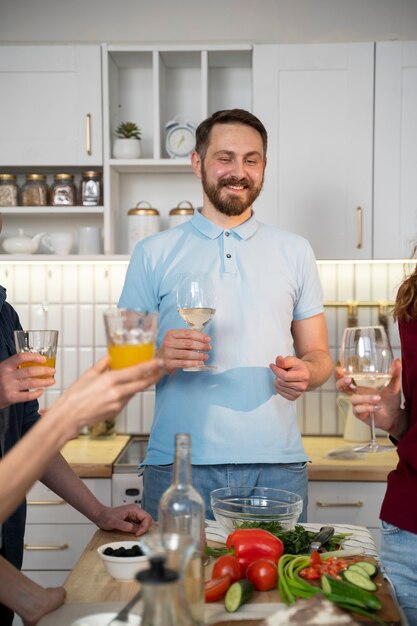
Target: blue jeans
point(398, 550)
point(205, 478)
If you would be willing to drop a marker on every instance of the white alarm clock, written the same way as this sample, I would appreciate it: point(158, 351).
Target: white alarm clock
point(180, 138)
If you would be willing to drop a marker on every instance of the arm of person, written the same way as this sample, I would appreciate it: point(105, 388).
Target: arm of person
point(385, 406)
point(311, 366)
point(97, 395)
point(22, 595)
point(129, 518)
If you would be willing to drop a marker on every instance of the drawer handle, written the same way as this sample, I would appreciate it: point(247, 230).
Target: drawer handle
point(45, 502)
point(64, 546)
point(327, 505)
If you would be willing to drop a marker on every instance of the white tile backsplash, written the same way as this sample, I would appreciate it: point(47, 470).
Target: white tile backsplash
point(72, 297)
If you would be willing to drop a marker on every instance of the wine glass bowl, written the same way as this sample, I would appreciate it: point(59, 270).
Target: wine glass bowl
point(196, 303)
point(366, 357)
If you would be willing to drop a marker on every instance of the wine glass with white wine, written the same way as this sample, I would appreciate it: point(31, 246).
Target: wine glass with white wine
point(196, 303)
point(366, 357)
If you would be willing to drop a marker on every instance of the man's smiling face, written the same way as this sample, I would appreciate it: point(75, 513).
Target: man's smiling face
point(232, 172)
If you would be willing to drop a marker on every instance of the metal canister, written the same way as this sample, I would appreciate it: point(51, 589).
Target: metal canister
point(180, 213)
point(143, 220)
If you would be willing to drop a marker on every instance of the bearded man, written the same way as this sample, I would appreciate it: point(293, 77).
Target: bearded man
point(267, 342)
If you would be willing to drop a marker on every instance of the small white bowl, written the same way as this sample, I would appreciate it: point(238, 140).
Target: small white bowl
point(103, 619)
point(123, 568)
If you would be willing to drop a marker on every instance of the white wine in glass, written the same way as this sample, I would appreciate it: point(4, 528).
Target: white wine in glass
point(366, 357)
point(196, 303)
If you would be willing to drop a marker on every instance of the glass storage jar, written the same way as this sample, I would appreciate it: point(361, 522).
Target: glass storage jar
point(35, 190)
point(9, 190)
point(63, 191)
point(91, 189)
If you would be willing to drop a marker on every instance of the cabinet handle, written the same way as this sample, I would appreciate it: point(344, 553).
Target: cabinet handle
point(45, 502)
point(64, 546)
point(359, 222)
point(326, 505)
point(88, 133)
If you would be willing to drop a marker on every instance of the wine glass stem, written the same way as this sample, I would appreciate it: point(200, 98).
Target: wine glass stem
point(373, 436)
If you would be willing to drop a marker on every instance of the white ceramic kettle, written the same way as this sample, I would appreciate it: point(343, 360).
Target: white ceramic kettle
point(355, 430)
point(21, 244)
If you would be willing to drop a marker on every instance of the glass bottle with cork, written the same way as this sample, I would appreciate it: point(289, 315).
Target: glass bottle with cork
point(163, 602)
point(181, 514)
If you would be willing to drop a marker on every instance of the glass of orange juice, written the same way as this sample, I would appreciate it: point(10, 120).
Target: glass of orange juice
point(42, 342)
point(131, 336)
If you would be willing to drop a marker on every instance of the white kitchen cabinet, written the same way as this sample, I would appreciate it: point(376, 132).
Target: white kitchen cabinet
point(50, 122)
point(316, 102)
point(395, 209)
point(50, 106)
point(350, 502)
point(152, 85)
point(56, 534)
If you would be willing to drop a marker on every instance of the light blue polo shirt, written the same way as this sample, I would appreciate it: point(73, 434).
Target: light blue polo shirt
point(264, 279)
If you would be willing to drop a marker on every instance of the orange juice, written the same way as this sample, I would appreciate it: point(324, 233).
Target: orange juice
point(50, 362)
point(130, 354)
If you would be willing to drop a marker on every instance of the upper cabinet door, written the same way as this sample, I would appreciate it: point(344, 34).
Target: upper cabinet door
point(50, 105)
point(316, 102)
point(395, 202)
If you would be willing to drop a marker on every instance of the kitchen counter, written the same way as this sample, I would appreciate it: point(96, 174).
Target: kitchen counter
point(90, 583)
point(369, 467)
point(94, 458)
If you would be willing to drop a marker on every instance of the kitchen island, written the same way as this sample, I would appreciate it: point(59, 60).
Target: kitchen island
point(90, 588)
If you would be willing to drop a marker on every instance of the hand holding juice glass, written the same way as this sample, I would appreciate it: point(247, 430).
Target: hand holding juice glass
point(42, 342)
point(131, 336)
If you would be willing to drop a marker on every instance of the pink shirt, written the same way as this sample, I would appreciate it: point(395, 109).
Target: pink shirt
point(400, 503)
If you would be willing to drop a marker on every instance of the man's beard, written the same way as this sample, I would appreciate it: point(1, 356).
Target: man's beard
point(230, 204)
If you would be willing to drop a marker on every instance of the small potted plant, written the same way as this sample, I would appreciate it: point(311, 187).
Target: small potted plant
point(127, 142)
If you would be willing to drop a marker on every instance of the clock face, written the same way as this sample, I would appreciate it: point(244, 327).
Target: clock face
point(180, 141)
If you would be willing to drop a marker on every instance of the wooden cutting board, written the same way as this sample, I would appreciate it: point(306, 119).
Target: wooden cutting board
point(90, 582)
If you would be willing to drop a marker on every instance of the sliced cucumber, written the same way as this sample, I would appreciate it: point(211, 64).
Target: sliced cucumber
point(237, 594)
point(348, 591)
point(369, 568)
point(360, 570)
point(360, 580)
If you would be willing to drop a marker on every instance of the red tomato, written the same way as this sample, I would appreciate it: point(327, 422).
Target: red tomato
point(227, 565)
point(263, 574)
point(310, 573)
point(215, 588)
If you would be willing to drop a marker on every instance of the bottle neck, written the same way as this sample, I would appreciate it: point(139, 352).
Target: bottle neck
point(182, 463)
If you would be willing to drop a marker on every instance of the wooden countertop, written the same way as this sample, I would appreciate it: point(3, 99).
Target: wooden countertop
point(369, 467)
point(94, 458)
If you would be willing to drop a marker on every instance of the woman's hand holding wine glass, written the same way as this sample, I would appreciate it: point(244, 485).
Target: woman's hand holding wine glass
point(196, 303)
point(367, 358)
